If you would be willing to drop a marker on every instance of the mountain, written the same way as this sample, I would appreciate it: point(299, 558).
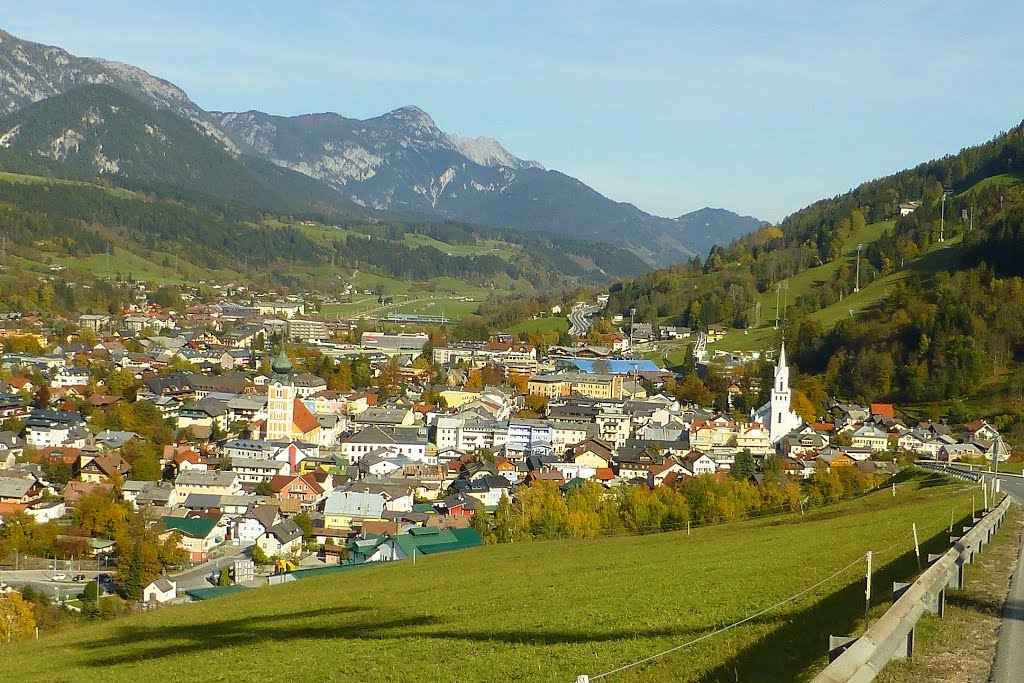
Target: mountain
point(400, 162)
point(102, 131)
point(403, 162)
point(707, 227)
point(489, 152)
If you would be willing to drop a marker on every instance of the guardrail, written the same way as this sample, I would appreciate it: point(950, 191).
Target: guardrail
point(858, 660)
point(958, 472)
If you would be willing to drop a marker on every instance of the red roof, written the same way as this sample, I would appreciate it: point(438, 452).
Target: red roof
point(882, 410)
point(279, 482)
point(304, 420)
point(189, 456)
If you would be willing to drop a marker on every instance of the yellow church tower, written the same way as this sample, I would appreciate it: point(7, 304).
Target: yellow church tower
point(280, 399)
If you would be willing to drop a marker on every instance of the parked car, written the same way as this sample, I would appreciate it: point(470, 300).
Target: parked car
point(104, 578)
point(78, 577)
point(59, 577)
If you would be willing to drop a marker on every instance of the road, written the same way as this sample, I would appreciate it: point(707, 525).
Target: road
point(197, 575)
point(42, 581)
point(1010, 651)
point(579, 319)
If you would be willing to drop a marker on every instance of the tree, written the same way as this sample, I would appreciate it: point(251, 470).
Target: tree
point(305, 523)
point(91, 592)
point(259, 557)
point(480, 521)
point(263, 489)
point(503, 527)
point(536, 404)
point(225, 577)
point(146, 468)
point(743, 467)
point(17, 619)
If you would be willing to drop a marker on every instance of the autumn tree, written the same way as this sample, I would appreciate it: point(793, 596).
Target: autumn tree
point(17, 619)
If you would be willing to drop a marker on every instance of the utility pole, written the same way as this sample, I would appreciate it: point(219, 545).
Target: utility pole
point(778, 290)
point(856, 286)
point(942, 217)
point(785, 299)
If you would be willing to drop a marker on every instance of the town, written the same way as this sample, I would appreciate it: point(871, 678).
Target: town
point(246, 441)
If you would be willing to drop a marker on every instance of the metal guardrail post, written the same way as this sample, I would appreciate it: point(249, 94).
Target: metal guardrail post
point(837, 645)
point(892, 635)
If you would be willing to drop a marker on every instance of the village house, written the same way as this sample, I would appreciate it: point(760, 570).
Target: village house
point(207, 481)
point(254, 522)
point(281, 540)
point(199, 535)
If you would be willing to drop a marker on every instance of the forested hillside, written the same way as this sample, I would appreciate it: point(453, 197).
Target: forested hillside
point(816, 235)
point(946, 319)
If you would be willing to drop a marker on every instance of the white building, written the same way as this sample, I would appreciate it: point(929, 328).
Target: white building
point(776, 415)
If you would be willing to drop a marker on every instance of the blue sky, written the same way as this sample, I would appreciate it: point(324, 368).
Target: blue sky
point(759, 107)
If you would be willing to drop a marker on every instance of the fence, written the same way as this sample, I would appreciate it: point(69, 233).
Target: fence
point(968, 474)
point(892, 637)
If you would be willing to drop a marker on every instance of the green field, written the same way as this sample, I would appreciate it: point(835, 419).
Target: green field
point(538, 611)
point(1001, 180)
point(40, 180)
point(484, 248)
point(539, 326)
point(124, 263)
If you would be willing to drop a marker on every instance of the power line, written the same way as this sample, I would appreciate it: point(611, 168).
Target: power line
point(730, 626)
point(755, 615)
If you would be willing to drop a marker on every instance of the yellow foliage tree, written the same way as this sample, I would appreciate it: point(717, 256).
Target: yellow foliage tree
point(16, 618)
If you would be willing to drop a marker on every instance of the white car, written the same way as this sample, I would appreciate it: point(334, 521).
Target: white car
point(59, 577)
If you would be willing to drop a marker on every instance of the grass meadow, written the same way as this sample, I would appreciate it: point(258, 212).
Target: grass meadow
point(537, 611)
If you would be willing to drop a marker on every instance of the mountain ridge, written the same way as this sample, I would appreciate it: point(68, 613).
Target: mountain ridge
point(399, 162)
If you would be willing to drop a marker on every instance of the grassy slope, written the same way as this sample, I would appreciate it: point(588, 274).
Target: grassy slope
point(542, 611)
point(765, 336)
point(549, 324)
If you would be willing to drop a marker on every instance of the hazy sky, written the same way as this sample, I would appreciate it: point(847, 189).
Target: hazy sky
point(760, 107)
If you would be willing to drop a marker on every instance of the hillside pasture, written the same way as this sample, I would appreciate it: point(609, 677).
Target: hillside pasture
point(539, 611)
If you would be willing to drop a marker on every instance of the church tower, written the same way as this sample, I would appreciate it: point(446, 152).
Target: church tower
point(782, 420)
point(280, 399)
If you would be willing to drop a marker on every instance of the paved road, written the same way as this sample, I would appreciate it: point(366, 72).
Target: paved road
point(579, 319)
point(196, 576)
point(1009, 667)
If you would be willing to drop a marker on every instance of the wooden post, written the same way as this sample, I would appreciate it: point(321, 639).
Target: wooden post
point(867, 593)
point(894, 490)
point(917, 548)
point(687, 527)
point(974, 508)
point(950, 521)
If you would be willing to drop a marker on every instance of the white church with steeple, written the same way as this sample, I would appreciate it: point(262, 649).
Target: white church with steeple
point(776, 415)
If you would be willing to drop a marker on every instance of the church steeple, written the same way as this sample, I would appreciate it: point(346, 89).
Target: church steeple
point(282, 368)
point(782, 356)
